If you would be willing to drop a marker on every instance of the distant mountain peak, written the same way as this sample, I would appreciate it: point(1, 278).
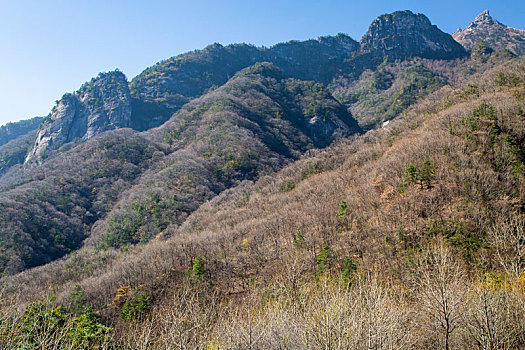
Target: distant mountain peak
point(404, 34)
point(497, 35)
point(484, 18)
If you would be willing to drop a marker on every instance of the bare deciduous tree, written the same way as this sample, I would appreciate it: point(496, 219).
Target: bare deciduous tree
point(441, 291)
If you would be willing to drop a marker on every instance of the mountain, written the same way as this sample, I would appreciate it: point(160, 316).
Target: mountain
point(101, 105)
point(109, 102)
point(164, 88)
point(403, 34)
point(14, 152)
point(16, 140)
point(177, 79)
point(169, 106)
point(229, 198)
point(254, 124)
point(495, 34)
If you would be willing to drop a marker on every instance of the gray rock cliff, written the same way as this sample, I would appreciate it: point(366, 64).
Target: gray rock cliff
point(403, 34)
point(100, 105)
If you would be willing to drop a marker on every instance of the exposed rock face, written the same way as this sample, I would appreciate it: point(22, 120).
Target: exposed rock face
point(497, 35)
point(404, 34)
point(108, 102)
point(103, 104)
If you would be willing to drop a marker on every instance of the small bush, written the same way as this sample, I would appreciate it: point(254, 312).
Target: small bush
point(348, 270)
point(136, 309)
point(198, 268)
point(324, 260)
point(286, 186)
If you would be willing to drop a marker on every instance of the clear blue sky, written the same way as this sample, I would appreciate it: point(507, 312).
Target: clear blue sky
point(49, 47)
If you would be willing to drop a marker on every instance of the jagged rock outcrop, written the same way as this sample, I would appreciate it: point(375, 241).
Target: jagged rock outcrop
point(497, 35)
point(100, 105)
point(403, 34)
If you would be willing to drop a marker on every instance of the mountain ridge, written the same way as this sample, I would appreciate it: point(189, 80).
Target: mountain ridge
point(159, 91)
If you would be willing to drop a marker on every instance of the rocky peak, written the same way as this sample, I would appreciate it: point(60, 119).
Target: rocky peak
point(100, 105)
point(484, 17)
point(403, 34)
point(108, 101)
point(497, 35)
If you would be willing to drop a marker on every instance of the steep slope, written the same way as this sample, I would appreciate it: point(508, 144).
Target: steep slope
point(254, 124)
point(15, 151)
point(317, 60)
point(497, 35)
point(380, 95)
point(191, 74)
point(46, 210)
point(171, 83)
point(383, 93)
point(16, 141)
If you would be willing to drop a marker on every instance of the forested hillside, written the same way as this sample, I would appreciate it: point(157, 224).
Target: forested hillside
point(11, 131)
point(348, 245)
point(312, 195)
point(202, 122)
point(254, 124)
